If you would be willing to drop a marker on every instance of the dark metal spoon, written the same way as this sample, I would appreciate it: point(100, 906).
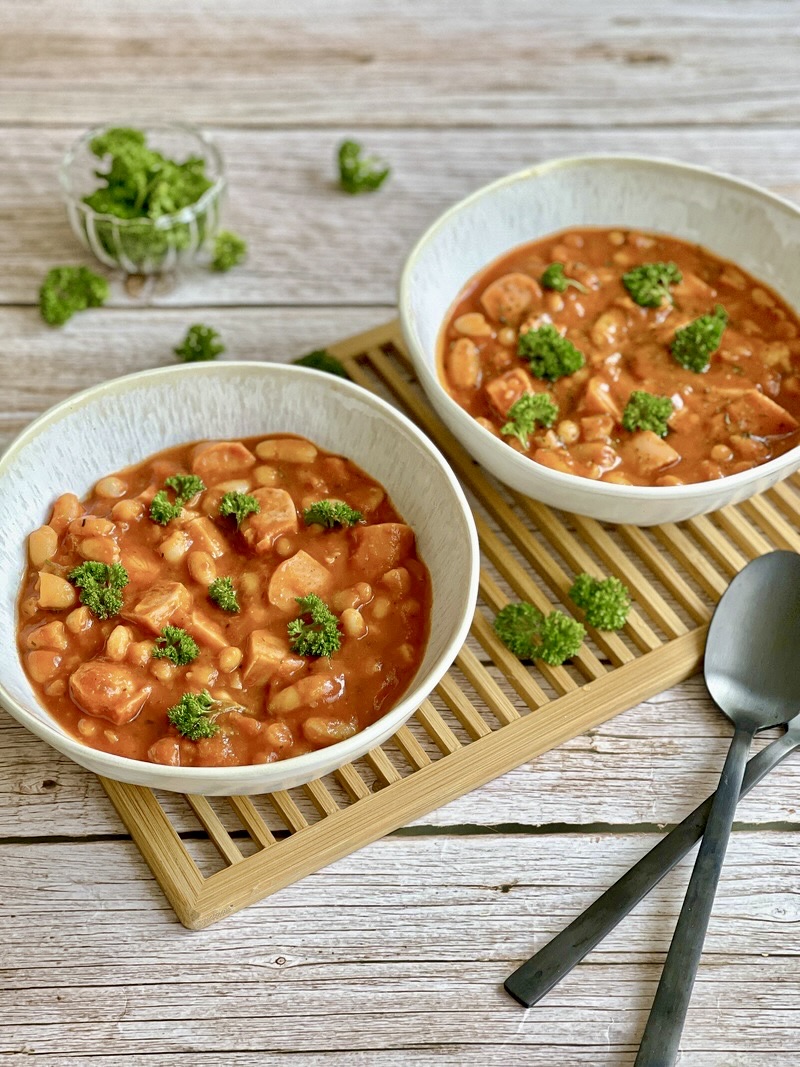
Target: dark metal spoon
point(530, 982)
point(751, 673)
point(538, 975)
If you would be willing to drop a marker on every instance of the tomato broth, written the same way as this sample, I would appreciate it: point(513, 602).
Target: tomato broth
point(739, 411)
point(107, 680)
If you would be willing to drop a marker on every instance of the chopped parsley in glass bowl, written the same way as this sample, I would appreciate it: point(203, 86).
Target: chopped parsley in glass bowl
point(146, 198)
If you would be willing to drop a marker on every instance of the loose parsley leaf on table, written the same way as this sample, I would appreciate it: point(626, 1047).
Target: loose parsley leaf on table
point(200, 344)
point(359, 173)
point(66, 290)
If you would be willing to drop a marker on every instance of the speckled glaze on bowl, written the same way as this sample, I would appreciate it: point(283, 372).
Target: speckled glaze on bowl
point(732, 218)
point(123, 421)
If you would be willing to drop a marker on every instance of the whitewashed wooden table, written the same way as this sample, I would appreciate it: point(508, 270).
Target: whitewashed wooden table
point(395, 955)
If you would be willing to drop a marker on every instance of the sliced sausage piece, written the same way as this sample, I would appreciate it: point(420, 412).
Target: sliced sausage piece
point(598, 399)
point(206, 633)
point(380, 548)
point(649, 452)
point(756, 414)
point(206, 537)
point(160, 605)
point(267, 656)
point(277, 516)
point(112, 691)
point(507, 388)
point(297, 576)
point(215, 461)
point(510, 298)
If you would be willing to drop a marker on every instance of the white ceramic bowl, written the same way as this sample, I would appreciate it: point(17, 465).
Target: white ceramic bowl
point(123, 421)
point(732, 218)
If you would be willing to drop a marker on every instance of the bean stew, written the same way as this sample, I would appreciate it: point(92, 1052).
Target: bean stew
point(626, 357)
point(224, 603)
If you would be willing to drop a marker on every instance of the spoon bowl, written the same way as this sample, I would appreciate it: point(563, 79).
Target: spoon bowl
point(753, 643)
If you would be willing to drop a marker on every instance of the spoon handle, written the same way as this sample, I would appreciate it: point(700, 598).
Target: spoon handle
point(538, 975)
point(662, 1036)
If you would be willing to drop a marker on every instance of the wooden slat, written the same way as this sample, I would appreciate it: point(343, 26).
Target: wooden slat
point(413, 751)
point(162, 849)
point(678, 545)
point(352, 782)
point(713, 541)
point(787, 499)
point(581, 561)
point(660, 565)
point(221, 839)
point(523, 583)
point(436, 728)
point(485, 686)
point(774, 525)
point(284, 805)
point(642, 589)
point(252, 821)
point(382, 766)
point(320, 797)
point(742, 532)
point(457, 701)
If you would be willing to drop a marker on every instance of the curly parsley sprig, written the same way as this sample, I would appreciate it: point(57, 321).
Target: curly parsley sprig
point(223, 593)
point(550, 355)
point(186, 488)
point(695, 343)
point(315, 632)
point(330, 513)
point(359, 173)
point(177, 646)
point(649, 284)
point(201, 343)
point(190, 716)
point(238, 506)
point(101, 586)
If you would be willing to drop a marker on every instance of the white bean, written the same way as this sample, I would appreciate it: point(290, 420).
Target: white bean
point(42, 545)
point(110, 488)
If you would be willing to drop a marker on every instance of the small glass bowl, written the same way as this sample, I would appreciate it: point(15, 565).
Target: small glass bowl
point(143, 245)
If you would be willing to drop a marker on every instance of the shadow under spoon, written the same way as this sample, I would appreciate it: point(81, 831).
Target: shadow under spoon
point(537, 976)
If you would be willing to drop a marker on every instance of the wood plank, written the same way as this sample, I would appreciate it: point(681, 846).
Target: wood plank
point(310, 244)
point(412, 982)
point(360, 63)
point(40, 368)
point(647, 766)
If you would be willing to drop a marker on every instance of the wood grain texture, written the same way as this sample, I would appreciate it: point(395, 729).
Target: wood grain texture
point(310, 243)
point(645, 768)
point(460, 917)
point(427, 63)
point(92, 954)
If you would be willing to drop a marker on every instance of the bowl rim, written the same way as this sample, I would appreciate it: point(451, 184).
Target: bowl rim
point(162, 222)
point(158, 773)
point(524, 465)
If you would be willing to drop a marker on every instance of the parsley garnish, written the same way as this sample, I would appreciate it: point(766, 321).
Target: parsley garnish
point(315, 632)
point(331, 513)
point(190, 716)
point(176, 645)
point(101, 586)
point(223, 594)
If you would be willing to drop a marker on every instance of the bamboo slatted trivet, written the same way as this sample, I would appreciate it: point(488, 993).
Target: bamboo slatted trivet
point(472, 729)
